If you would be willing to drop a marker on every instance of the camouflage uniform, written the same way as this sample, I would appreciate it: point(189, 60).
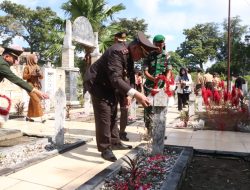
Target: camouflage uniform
point(155, 64)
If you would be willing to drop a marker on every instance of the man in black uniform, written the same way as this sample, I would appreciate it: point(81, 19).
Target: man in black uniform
point(104, 80)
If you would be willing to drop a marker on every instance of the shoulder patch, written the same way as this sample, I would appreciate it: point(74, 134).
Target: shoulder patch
point(124, 51)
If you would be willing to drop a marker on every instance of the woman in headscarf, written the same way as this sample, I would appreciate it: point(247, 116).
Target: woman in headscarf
point(183, 82)
point(32, 73)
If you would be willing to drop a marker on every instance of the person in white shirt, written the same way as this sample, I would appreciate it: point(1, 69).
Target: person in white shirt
point(183, 82)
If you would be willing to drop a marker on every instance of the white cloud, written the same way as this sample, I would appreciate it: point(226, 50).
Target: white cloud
point(148, 6)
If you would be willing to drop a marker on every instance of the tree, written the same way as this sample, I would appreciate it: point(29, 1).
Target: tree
point(238, 49)
point(40, 28)
point(130, 26)
point(95, 11)
point(176, 61)
point(200, 45)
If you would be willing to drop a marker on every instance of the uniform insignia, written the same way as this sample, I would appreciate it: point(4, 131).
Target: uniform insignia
point(124, 51)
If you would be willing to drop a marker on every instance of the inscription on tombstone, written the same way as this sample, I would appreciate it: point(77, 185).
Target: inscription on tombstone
point(71, 85)
point(160, 107)
point(60, 106)
point(159, 123)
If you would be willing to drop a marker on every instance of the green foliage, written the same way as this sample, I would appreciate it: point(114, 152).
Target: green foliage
point(200, 45)
point(219, 67)
point(176, 61)
point(131, 26)
point(95, 10)
point(40, 28)
point(247, 78)
point(204, 42)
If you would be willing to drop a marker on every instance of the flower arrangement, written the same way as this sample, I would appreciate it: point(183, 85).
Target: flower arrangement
point(225, 109)
point(167, 85)
point(143, 172)
point(5, 111)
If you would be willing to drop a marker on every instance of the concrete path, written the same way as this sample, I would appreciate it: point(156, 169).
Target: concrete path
point(69, 170)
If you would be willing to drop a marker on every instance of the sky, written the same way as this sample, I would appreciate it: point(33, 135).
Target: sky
point(166, 17)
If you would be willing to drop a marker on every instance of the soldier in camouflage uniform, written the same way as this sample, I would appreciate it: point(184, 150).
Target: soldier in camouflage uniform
point(154, 65)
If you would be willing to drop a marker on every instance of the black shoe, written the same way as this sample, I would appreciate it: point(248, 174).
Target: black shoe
point(30, 120)
point(120, 146)
point(108, 155)
point(123, 137)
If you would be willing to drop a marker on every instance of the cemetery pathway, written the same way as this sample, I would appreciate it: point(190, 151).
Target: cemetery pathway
point(69, 170)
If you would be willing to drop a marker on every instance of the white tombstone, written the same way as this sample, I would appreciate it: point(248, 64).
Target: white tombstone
point(244, 89)
point(71, 72)
point(132, 110)
point(199, 102)
point(191, 107)
point(160, 107)
point(49, 85)
point(83, 32)
point(68, 49)
point(159, 126)
point(87, 104)
point(60, 114)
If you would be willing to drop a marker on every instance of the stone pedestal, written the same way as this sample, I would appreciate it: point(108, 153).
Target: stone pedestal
point(71, 75)
point(68, 57)
point(191, 107)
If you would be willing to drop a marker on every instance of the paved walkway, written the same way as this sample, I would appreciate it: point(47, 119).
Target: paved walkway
point(69, 170)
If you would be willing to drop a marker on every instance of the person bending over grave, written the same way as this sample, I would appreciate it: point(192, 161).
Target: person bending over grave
point(107, 77)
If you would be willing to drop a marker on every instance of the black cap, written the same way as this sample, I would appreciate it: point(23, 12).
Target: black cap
point(121, 36)
point(15, 51)
point(145, 42)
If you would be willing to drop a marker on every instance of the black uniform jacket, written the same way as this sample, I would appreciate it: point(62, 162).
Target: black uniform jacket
point(107, 75)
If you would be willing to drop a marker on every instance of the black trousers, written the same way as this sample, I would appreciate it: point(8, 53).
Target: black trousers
point(182, 100)
point(123, 115)
point(107, 132)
